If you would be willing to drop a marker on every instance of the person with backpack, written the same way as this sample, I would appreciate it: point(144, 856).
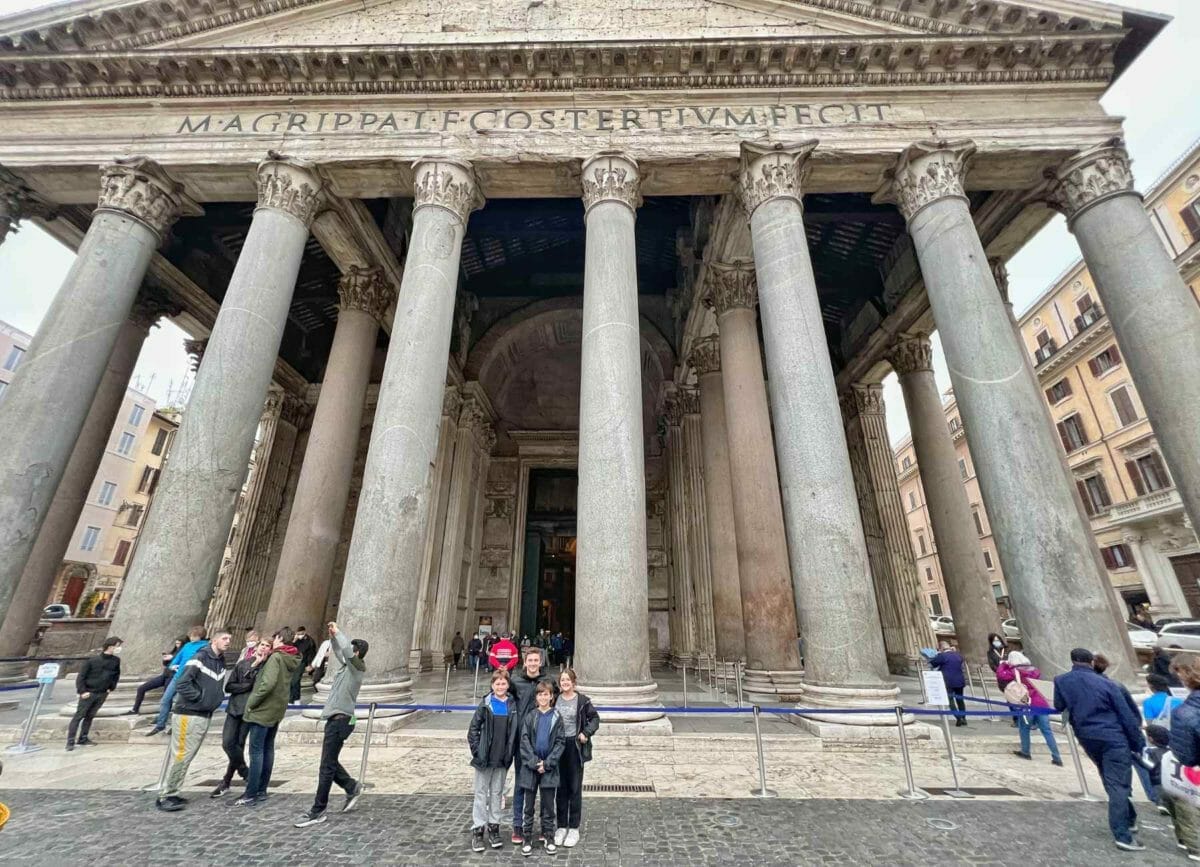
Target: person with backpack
point(1160, 703)
point(580, 722)
point(1023, 696)
point(492, 737)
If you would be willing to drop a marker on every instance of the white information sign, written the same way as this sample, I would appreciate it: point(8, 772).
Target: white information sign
point(47, 672)
point(935, 689)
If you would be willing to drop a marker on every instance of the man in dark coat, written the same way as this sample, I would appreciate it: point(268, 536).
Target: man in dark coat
point(97, 678)
point(950, 663)
point(307, 649)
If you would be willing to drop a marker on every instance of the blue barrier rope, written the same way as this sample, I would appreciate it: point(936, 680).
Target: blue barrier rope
point(19, 686)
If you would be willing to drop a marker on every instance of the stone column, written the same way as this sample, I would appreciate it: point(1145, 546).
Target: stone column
point(1060, 596)
point(697, 524)
point(45, 407)
point(968, 588)
point(844, 659)
point(902, 612)
point(718, 496)
point(612, 642)
point(315, 526)
point(383, 569)
point(55, 537)
point(683, 640)
point(184, 536)
point(1153, 313)
point(768, 600)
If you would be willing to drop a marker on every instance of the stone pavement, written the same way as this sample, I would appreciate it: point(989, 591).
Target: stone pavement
point(53, 827)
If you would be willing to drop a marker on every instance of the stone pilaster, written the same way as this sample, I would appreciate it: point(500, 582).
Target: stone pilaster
point(1153, 313)
point(768, 600)
point(697, 523)
point(844, 658)
point(1059, 594)
point(383, 569)
point(612, 642)
point(46, 405)
point(683, 638)
point(184, 536)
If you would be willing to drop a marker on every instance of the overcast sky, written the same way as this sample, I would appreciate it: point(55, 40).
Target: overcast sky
point(1158, 96)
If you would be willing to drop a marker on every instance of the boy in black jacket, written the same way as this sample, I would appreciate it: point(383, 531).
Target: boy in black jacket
point(492, 738)
point(542, 745)
point(97, 678)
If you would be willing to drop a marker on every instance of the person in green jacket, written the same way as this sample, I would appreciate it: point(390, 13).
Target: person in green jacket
point(264, 711)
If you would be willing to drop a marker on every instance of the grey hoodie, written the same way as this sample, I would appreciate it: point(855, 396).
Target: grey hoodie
point(344, 691)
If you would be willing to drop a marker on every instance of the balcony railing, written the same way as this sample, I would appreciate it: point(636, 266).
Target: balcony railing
point(1165, 501)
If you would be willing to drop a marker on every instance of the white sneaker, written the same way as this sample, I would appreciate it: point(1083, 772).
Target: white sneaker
point(572, 838)
point(559, 836)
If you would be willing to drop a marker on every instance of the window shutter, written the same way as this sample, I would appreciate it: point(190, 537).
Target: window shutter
point(1065, 385)
point(1160, 467)
point(1084, 303)
point(1062, 435)
point(1050, 398)
point(1109, 560)
point(1124, 406)
point(1094, 366)
point(1192, 220)
point(1087, 500)
point(1135, 476)
point(1102, 489)
point(1114, 355)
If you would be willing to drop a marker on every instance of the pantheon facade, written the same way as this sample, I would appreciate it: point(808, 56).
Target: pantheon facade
point(573, 316)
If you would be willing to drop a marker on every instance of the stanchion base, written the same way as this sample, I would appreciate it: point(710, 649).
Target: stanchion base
point(21, 750)
point(764, 793)
point(914, 795)
point(1080, 796)
point(957, 793)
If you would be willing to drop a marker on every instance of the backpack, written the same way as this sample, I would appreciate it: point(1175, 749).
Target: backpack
point(1017, 692)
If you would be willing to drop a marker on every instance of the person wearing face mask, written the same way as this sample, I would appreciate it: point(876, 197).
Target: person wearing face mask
point(96, 679)
point(252, 642)
point(998, 653)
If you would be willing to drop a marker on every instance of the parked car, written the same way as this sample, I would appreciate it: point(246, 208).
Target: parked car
point(1011, 630)
point(1141, 637)
point(57, 611)
point(1180, 636)
point(941, 624)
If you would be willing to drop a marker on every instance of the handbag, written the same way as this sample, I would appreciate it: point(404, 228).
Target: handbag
point(1179, 780)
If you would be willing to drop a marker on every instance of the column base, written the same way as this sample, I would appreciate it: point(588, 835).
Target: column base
point(397, 691)
point(420, 660)
point(882, 695)
point(772, 686)
point(13, 673)
point(626, 696)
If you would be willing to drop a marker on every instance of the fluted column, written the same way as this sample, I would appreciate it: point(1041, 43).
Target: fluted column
point(183, 539)
point(45, 407)
point(844, 659)
point(1059, 594)
point(55, 537)
point(968, 588)
point(383, 568)
point(902, 613)
point(683, 638)
point(768, 599)
point(612, 647)
point(1153, 313)
point(728, 631)
point(315, 524)
point(697, 523)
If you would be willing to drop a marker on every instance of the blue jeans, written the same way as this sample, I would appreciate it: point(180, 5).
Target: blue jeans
point(1026, 722)
point(164, 708)
point(1115, 763)
point(262, 759)
point(518, 795)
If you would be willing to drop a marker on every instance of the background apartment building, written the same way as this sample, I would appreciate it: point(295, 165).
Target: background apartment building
point(1150, 550)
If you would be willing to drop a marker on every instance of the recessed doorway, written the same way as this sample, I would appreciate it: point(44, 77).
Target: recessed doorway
point(548, 578)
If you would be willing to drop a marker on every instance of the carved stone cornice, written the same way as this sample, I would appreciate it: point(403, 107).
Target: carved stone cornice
point(773, 171)
point(610, 176)
point(731, 286)
point(1000, 275)
point(451, 401)
point(290, 185)
point(911, 354)
point(293, 410)
point(447, 184)
point(195, 347)
point(365, 289)
point(152, 305)
point(927, 172)
point(1089, 178)
point(138, 188)
point(705, 356)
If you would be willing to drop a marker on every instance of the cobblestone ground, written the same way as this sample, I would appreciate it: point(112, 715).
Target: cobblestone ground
point(51, 827)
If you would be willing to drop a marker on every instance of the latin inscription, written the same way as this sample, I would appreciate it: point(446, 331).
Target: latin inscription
point(539, 120)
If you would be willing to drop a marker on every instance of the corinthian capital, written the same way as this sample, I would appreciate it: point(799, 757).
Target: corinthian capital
point(365, 289)
point(730, 286)
point(290, 185)
point(151, 305)
point(138, 188)
point(911, 354)
point(611, 177)
point(195, 347)
point(1000, 275)
point(775, 171)
point(927, 172)
point(17, 202)
point(705, 356)
point(868, 398)
point(447, 184)
point(1089, 178)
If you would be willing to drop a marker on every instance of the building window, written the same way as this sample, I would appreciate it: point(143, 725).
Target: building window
point(1059, 391)
point(1148, 473)
point(91, 536)
point(987, 560)
point(954, 424)
point(147, 481)
point(1117, 557)
point(122, 554)
point(107, 491)
point(962, 468)
point(1046, 346)
point(1094, 493)
point(125, 446)
point(1072, 433)
point(3, 386)
point(997, 592)
point(906, 463)
point(921, 543)
point(1105, 361)
point(1089, 313)
point(135, 414)
point(14, 358)
point(1191, 219)
point(935, 604)
point(978, 521)
point(1123, 405)
point(912, 500)
point(929, 574)
point(160, 442)
point(135, 516)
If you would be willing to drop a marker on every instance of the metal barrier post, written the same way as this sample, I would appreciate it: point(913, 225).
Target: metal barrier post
point(762, 791)
point(685, 684)
point(921, 680)
point(446, 690)
point(957, 791)
point(724, 679)
point(983, 688)
point(475, 685)
point(912, 793)
point(712, 675)
point(737, 680)
point(24, 745)
point(1083, 794)
point(362, 766)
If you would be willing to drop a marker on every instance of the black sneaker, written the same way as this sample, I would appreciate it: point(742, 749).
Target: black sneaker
point(154, 731)
point(86, 742)
point(310, 818)
point(477, 840)
point(1056, 762)
point(168, 805)
point(70, 746)
point(245, 801)
point(527, 848)
point(548, 842)
point(1132, 846)
point(1022, 755)
point(493, 836)
point(220, 790)
point(352, 797)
